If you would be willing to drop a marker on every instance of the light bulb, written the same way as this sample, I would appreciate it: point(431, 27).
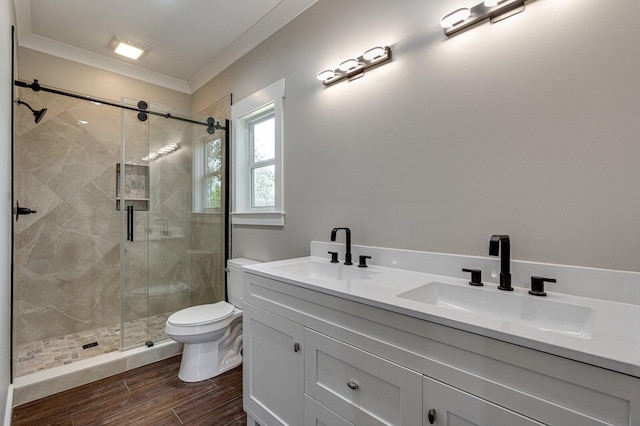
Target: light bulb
point(348, 65)
point(455, 17)
point(373, 53)
point(326, 75)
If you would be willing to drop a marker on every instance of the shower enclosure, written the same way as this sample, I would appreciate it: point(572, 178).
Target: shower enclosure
point(119, 238)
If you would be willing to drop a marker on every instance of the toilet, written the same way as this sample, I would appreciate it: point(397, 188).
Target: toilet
point(212, 333)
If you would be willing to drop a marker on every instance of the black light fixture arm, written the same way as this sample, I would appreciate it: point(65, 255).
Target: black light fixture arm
point(36, 87)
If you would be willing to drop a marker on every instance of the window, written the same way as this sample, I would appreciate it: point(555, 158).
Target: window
point(257, 156)
point(209, 174)
point(262, 159)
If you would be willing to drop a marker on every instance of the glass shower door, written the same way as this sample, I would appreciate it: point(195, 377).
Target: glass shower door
point(133, 203)
point(176, 258)
point(170, 163)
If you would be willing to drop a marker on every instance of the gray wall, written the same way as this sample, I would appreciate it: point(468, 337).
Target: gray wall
point(527, 127)
point(6, 104)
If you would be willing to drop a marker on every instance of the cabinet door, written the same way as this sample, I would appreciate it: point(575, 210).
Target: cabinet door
point(273, 370)
point(449, 406)
point(316, 414)
point(361, 387)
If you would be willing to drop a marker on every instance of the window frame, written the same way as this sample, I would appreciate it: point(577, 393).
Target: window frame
point(257, 105)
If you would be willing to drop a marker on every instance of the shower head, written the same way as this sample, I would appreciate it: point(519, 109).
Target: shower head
point(37, 115)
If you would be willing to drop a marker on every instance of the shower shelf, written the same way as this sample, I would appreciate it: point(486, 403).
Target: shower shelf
point(136, 187)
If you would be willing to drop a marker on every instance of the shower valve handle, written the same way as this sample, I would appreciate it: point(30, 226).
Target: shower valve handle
point(23, 210)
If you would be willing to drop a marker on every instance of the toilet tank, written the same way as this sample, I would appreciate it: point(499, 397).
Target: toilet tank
point(235, 279)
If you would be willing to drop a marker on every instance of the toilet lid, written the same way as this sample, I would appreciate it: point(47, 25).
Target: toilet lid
point(201, 314)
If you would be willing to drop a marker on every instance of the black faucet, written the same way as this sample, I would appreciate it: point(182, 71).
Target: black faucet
point(505, 251)
point(347, 254)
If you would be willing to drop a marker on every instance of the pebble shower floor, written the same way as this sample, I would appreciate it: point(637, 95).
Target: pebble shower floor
point(57, 351)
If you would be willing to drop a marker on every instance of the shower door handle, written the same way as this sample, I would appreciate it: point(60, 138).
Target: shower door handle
point(129, 223)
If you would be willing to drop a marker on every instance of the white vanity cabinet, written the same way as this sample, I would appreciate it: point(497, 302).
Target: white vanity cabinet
point(273, 367)
point(361, 365)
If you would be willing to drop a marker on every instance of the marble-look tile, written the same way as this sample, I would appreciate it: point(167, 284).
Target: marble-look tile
point(98, 121)
point(34, 195)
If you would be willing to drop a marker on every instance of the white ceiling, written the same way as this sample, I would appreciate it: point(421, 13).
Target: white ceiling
point(190, 41)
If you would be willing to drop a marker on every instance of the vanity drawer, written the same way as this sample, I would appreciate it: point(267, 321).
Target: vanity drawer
point(359, 386)
point(316, 414)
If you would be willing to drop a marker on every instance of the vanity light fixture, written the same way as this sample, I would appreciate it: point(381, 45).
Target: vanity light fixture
point(491, 3)
point(353, 68)
point(493, 10)
point(128, 48)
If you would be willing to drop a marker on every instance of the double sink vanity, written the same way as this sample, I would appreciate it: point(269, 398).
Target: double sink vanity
point(407, 340)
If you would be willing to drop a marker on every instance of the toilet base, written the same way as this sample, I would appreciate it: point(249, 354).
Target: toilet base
point(202, 361)
point(196, 362)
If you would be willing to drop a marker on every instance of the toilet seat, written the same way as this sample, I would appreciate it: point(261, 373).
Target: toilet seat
point(201, 314)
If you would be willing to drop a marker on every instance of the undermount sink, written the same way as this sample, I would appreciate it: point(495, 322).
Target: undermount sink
point(536, 312)
point(326, 271)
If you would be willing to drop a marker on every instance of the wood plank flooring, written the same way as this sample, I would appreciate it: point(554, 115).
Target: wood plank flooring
point(149, 395)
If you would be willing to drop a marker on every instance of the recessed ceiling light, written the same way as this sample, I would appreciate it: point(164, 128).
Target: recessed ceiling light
point(127, 48)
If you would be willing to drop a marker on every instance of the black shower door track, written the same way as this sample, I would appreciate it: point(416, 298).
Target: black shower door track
point(36, 87)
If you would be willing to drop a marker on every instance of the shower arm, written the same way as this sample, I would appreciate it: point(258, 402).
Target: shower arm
point(36, 87)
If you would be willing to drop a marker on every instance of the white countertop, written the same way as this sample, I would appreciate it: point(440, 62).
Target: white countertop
point(614, 342)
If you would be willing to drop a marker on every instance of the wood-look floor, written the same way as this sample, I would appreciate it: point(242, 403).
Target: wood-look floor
point(149, 395)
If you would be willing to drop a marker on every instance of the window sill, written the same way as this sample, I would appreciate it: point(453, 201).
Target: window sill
point(258, 218)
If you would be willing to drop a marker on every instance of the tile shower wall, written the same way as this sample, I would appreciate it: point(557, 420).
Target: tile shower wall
point(67, 255)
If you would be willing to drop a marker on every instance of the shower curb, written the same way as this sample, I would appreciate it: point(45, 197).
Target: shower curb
point(45, 383)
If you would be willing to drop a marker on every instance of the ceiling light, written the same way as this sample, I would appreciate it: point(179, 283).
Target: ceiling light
point(127, 48)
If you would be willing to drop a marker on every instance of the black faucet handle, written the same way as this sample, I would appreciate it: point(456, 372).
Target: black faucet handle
point(334, 256)
point(537, 285)
point(476, 277)
point(363, 261)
